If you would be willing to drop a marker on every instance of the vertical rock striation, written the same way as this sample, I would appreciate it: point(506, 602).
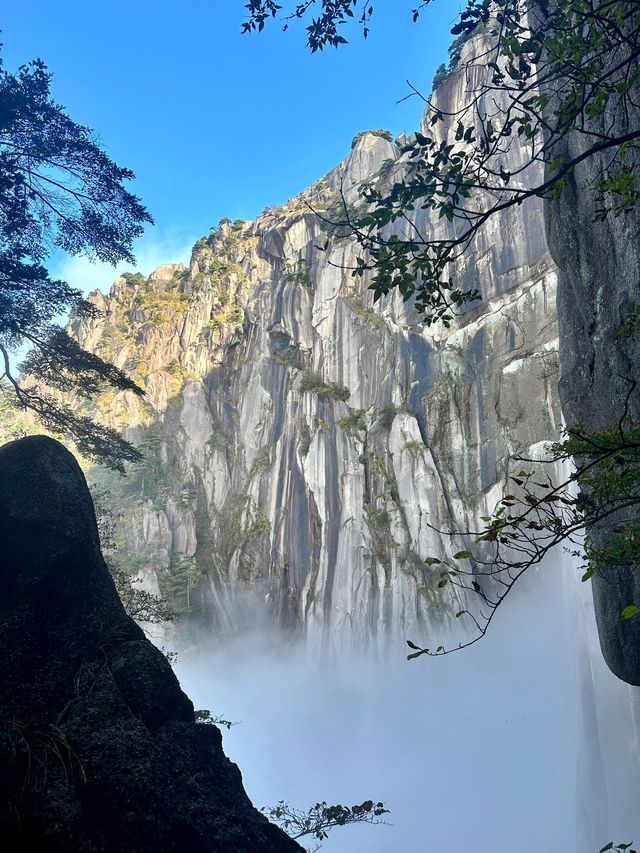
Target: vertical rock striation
point(303, 446)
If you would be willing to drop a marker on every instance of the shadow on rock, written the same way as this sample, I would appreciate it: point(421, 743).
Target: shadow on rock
point(99, 750)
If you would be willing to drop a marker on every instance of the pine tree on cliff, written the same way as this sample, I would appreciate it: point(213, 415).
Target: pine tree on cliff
point(58, 190)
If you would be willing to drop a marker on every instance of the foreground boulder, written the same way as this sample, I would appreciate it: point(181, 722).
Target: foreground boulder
point(99, 750)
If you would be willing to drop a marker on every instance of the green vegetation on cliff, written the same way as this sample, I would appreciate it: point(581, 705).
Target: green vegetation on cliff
point(381, 133)
point(313, 383)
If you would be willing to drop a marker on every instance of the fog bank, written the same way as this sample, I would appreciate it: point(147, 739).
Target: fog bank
point(523, 742)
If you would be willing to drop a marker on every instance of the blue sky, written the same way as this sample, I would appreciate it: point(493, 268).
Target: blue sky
point(214, 123)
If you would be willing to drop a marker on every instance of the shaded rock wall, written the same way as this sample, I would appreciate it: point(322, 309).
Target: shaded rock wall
point(99, 750)
point(598, 302)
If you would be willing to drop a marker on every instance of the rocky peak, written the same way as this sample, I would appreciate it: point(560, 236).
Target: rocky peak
point(303, 445)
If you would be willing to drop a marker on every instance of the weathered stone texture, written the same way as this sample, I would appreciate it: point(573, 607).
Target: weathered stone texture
point(300, 507)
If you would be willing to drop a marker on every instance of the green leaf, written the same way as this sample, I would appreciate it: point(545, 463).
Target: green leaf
point(416, 654)
point(630, 611)
point(432, 561)
point(608, 846)
point(462, 555)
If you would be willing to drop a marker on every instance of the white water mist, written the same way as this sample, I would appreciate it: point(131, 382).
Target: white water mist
point(524, 742)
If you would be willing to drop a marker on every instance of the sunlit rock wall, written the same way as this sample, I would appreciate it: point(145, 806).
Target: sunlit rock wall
point(301, 443)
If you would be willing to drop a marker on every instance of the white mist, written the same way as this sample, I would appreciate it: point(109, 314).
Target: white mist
point(524, 743)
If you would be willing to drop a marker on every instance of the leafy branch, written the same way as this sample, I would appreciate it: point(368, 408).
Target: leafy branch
point(541, 73)
point(321, 818)
point(325, 29)
point(591, 512)
point(205, 717)
point(58, 190)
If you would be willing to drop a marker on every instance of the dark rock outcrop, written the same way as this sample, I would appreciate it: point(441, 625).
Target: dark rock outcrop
point(99, 750)
point(598, 303)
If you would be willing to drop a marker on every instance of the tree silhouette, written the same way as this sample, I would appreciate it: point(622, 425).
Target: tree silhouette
point(58, 190)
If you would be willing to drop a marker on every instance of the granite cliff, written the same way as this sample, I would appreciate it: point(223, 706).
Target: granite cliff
point(301, 443)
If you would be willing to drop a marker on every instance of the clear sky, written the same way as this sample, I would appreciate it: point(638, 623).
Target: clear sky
point(214, 123)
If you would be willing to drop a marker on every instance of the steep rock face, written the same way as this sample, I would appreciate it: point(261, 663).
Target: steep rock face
point(99, 750)
point(303, 445)
point(598, 303)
